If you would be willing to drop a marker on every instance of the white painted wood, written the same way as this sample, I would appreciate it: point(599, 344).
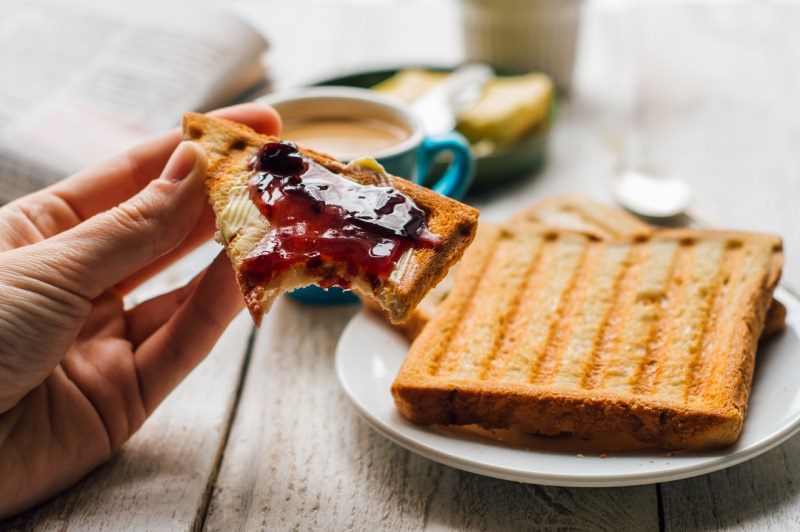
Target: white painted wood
point(159, 480)
point(299, 458)
point(761, 494)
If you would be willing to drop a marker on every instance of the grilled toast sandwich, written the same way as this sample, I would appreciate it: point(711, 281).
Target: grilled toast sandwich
point(306, 218)
point(552, 332)
point(574, 212)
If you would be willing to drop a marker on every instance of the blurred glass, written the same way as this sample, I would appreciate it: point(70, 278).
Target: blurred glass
point(524, 35)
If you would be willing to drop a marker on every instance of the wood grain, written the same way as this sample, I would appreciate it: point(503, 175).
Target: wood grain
point(299, 458)
point(159, 479)
point(762, 494)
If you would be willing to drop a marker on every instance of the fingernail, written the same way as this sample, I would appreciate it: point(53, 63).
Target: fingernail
point(182, 162)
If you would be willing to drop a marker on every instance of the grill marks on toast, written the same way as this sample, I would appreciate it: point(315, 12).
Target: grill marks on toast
point(584, 218)
point(574, 211)
point(500, 364)
point(638, 328)
point(674, 291)
point(575, 296)
point(578, 213)
point(561, 310)
point(720, 362)
point(600, 293)
point(568, 216)
point(482, 323)
point(696, 277)
point(718, 316)
point(523, 349)
point(653, 337)
point(619, 305)
point(469, 276)
point(679, 359)
point(533, 259)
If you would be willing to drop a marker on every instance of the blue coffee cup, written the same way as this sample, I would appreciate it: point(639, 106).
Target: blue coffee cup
point(411, 158)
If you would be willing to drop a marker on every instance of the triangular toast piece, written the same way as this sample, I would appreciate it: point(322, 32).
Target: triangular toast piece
point(243, 226)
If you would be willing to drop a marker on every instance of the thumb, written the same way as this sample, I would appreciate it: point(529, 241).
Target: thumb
point(112, 245)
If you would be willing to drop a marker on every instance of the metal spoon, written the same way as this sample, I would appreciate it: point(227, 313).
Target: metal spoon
point(652, 196)
point(636, 187)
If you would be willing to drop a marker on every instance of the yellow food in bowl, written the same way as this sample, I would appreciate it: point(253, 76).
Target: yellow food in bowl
point(509, 107)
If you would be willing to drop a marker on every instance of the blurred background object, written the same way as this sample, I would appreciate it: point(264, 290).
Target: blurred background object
point(522, 36)
point(507, 123)
point(81, 82)
point(85, 80)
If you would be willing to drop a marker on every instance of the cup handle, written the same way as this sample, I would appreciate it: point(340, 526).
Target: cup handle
point(459, 174)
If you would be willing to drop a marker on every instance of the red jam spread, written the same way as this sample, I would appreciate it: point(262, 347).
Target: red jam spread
point(318, 217)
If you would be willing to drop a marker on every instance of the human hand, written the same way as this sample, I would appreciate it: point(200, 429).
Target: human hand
point(78, 373)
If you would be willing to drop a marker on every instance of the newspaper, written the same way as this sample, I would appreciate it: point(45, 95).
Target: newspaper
point(79, 83)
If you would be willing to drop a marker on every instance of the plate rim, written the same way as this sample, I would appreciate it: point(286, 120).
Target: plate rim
point(430, 452)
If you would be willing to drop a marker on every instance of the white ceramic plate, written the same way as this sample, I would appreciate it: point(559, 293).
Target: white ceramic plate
point(370, 353)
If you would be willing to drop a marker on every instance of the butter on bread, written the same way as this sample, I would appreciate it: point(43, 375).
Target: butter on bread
point(231, 146)
point(551, 331)
point(409, 85)
point(509, 108)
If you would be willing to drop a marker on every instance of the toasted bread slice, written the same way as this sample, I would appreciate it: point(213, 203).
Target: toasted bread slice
point(577, 212)
point(550, 332)
point(230, 148)
point(574, 212)
point(580, 213)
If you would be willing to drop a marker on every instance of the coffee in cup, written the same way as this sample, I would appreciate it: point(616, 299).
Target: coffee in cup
point(345, 137)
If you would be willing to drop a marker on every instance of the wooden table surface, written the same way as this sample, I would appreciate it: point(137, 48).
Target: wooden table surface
point(261, 437)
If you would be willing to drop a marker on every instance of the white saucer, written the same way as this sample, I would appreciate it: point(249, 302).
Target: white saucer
point(370, 353)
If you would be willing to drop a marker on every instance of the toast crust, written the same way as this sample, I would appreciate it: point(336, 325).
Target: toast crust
point(230, 147)
point(685, 387)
